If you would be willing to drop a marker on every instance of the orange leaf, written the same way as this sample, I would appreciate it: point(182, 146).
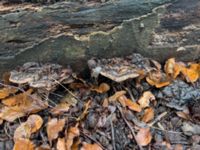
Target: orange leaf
point(54, 126)
point(116, 96)
point(192, 73)
point(171, 68)
point(148, 115)
point(23, 144)
point(17, 99)
point(5, 92)
point(61, 144)
point(133, 105)
point(157, 79)
point(32, 104)
point(72, 133)
point(105, 102)
point(33, 124)
point(60, 108)
point(145, 99)
point(144, 136)
point(122, 100)
point(87, 146)
point(103, 88)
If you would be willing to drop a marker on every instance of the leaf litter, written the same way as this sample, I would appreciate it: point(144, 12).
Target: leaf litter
point(133, 103)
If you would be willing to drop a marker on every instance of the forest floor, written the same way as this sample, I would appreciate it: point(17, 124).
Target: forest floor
point(126, 103)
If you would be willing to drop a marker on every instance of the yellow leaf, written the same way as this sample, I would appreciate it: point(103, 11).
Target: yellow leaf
point(54, 126)
point(103, 88)
point(23, 144)
point(71, 134)
point(144, 136)
point(145, 99)
point(116, 96)
point(148, 115)
point(87, 146)
point(133, 105)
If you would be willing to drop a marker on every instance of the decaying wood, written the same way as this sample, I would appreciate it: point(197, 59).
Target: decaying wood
point(71, 33)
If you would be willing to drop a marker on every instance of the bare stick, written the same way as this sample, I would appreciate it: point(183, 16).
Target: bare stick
point(158, 118)
point(113, 134)
point(132, 131)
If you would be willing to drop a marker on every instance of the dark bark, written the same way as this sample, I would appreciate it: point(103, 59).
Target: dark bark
point(70, 33)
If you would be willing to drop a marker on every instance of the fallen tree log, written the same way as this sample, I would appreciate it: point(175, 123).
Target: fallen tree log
point(71, 33)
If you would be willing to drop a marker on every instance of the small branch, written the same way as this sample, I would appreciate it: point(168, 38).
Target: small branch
point(132, 131)
point(113, 134)
point(157, 119)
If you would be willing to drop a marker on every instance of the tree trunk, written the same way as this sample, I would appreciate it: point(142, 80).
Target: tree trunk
point(71, 33)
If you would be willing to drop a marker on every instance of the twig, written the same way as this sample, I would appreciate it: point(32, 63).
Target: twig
point(91, 138)
point(130, 93)
point(113, 134)
point(132, 131)
point(158, 118)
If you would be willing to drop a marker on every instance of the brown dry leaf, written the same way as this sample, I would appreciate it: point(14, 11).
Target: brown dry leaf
point(60, 108)
point(33, 124)
point(54, 126)
point(116, 96)
point(5, 92)
point(178, 147)
point(75, 86)
point(43, 147)
point(85, 111)
point(183, 115)
point(192, 73)
point(32, 104)
point(145, 99)
point(75, 145)
point(171, 68)
point(87, 146)
point(105, 102)
point(133, 105)
point(122, 100)
point(148, 115)
point(144, 136)
point(17, 99)
point(157, 79)
point(61, 144)
point(71, 134)
point(102, 88)
point(23, 144)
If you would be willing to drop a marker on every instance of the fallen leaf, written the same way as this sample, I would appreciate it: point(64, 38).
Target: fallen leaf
point(158, 79)
point(116, 96)
point(171, 68)
point(71, 134)
point(75, 145)
point(23, 144)
point(133, 105)
point(87, 146)
point(54, 126)
point(17, 99)
point(5, 92)
point(122, 100)
point(145, 99)
point(85, 111)
point(192, 73)
point(43, 147)
point(178, 147)
point(105, 102)
point(148, 115)
point(61, 144)
point(102, 88)
point(144, 136)
point(32, 104)
point(183, 115)
point(60, 108)
point(33, 124)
